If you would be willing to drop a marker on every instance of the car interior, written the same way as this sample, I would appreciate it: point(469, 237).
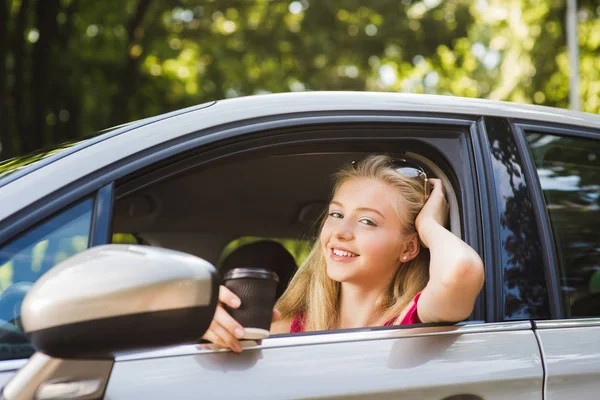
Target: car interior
point(279, 197)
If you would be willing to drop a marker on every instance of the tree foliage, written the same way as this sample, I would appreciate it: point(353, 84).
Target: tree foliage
point(69, 68)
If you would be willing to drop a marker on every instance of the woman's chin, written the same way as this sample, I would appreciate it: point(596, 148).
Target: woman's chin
point(339, 273)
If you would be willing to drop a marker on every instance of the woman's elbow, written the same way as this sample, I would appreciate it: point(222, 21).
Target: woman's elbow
point(466, 275)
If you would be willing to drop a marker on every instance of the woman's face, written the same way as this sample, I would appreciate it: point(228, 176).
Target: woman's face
point(361, 237)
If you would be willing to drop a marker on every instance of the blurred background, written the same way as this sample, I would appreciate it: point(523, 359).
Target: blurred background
point(70, 68)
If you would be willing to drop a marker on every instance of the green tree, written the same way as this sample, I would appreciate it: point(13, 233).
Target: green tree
point(69, 68)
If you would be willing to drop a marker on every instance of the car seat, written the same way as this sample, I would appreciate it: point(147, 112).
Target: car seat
point(266, 254)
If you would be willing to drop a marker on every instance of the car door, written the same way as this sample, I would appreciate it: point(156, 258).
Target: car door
point(473, 361)
point(565, 167)
point(491, 360)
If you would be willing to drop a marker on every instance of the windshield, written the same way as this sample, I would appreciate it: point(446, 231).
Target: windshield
point(7, 167)
point(10, 166)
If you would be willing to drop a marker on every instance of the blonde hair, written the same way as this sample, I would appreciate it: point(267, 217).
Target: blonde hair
point(315, 295)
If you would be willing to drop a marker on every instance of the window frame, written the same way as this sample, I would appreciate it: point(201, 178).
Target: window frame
point(102, 183)
point(551, 267)
point(497, 129)
point(102, 216)
point(195, 152)
point(488, 223)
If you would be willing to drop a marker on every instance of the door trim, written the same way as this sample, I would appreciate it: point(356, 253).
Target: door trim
point(567, 323)
point(313, 338)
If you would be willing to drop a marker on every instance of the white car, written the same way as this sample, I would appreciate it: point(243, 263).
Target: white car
point(523, 184)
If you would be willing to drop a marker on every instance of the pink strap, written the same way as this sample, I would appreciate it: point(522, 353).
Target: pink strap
point(297, 323)
point(411, 317)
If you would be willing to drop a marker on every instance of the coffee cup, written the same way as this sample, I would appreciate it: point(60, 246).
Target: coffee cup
point(256, 288)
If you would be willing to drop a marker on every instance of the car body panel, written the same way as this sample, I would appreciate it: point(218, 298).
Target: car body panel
point(571, 358)
point(8, 369)
point(383, 365)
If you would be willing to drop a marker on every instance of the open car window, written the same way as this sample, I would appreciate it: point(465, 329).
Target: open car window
point(211, 209)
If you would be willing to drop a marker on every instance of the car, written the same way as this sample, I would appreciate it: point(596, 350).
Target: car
point(185, 189)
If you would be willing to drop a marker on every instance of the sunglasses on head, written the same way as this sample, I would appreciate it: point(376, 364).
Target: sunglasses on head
point(408, 170)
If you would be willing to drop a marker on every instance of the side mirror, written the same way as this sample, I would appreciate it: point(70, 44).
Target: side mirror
point(120, 298)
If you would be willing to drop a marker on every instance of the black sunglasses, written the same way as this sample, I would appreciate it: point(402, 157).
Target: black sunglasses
point(408, 170)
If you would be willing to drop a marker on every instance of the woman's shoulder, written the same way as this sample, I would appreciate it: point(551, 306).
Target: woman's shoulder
point(281, 326)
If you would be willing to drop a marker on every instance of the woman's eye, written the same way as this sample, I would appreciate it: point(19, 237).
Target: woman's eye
point(335, 214)
point(367, 222)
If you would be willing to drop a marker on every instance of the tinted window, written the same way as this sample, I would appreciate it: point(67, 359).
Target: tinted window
point(524, 285)
point(24, 259)
point(569, 173)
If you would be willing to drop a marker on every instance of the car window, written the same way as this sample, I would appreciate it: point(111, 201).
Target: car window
point(214, 207)
point(24, 259)
point(569, 174)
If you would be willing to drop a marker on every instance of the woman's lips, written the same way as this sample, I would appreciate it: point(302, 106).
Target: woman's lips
point(342, 256)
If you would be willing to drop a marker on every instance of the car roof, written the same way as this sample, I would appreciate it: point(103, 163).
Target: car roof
point(43, 177)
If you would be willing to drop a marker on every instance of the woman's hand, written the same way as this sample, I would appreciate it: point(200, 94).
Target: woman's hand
point(224, 331)
point(434, 212)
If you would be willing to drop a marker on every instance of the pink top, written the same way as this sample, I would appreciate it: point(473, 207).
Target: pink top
point(411, 317)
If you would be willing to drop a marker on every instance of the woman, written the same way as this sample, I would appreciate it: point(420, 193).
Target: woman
point(371, 265)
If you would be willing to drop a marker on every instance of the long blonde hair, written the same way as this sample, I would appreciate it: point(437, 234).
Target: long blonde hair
point(316, 296)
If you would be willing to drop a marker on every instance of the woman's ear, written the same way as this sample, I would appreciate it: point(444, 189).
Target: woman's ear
point(411, 249)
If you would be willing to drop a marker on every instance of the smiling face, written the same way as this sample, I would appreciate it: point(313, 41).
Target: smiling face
point(361, 238)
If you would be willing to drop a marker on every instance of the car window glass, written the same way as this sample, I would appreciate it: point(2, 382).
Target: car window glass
point(26, 258)
point(569, 174)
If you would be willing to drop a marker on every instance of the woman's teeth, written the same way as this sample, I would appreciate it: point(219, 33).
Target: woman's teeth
point(343, 253)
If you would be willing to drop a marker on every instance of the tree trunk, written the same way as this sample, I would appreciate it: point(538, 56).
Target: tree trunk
point(71, 88)
point(46, 11)
point(129, 77)
point(22, 129)
point(5, 132)
point(73, 102)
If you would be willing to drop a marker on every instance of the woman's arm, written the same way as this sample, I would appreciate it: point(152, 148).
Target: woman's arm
point(455, 269)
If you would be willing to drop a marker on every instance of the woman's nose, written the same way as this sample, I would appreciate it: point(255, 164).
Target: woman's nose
point(343, 231)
